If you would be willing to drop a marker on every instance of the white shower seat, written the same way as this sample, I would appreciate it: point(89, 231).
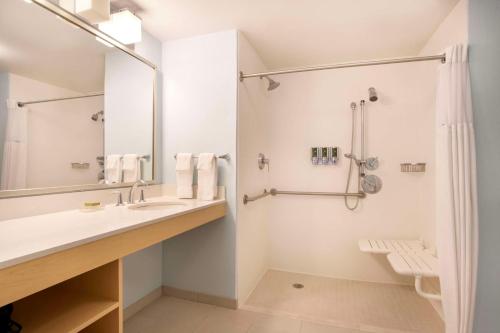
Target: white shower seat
point(386, 246)
point(407, 257)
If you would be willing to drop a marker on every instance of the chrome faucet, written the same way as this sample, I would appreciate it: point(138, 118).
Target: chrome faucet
point(132, 190)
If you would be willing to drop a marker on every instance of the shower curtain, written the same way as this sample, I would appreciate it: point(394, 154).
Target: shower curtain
point(15, 148)
point(456, 193)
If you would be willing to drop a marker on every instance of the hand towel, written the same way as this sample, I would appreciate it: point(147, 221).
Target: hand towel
point(113, 169)
point(184, 174)
point(131, 168)
point(207, 176)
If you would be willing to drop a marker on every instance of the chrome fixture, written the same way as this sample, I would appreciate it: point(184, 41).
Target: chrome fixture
point(247, 199)
point(413, 167)
point(441, 57)
point(119, 198)
point(272, 84)
point(275, 192)
point(95, 116)
point(21, 104)
point(262, 161)
point(133, 188)
point(371, 184)
point(372, 93)
point(226, 156)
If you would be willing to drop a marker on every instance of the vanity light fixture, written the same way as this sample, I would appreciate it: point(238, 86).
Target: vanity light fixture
point(95, 11)
point(124, 26)
point(28, 1)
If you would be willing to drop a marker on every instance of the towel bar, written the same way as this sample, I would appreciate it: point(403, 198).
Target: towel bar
point(226, 156)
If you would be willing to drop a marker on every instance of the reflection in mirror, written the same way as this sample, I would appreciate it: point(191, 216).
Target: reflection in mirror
point(73, 111)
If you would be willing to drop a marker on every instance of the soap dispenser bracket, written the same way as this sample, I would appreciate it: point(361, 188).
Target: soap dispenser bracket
point(262, 161)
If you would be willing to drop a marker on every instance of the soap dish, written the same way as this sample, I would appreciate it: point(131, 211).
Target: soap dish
point(412, 167)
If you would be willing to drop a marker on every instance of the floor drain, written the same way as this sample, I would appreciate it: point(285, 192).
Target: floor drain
point(298, 285)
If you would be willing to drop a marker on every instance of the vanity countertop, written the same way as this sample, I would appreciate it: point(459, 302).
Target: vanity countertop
point(28, 238)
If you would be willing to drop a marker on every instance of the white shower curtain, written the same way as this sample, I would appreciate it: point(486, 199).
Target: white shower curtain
point(15, 148)
point(456, 193)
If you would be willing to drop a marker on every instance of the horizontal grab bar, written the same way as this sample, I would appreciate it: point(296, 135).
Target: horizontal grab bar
point(247, 199)
point(330, 194)
point(274, 192)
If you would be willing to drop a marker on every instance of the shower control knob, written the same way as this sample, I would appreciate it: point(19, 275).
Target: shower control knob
point(372, 163)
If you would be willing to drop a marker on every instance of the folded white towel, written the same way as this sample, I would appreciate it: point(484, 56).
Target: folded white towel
point(131, 168)
point(184, 169)
point(207, 176)
point(113, 169)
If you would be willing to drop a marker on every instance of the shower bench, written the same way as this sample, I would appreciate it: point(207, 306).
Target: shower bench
point(407, 257)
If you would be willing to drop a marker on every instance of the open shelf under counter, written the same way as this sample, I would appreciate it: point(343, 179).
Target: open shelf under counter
point(75, 304)
point(54, 311)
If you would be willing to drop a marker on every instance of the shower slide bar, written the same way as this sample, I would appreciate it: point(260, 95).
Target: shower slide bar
point(21, 104)
point(275, 192)
point(441, 57)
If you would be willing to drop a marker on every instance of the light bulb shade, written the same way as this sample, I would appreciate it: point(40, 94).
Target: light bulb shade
point(95, 11)
point(124, 26)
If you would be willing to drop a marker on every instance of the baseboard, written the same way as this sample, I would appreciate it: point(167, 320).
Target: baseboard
point(133, 308)
point(200, 297)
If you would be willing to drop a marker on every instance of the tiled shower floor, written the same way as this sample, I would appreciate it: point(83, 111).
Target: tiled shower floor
point(371, 307)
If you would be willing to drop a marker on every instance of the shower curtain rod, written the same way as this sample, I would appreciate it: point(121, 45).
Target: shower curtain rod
point(441, 57)
point(21, 104)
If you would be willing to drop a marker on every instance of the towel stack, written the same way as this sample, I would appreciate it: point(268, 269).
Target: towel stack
point(113, 169)
point(131, 168)
point(126, 168)
point(184, 174)
point(207, 176)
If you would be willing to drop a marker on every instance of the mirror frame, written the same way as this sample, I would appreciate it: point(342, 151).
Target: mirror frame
point(75, 20)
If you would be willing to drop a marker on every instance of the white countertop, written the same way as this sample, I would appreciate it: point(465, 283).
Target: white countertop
point(32, 237)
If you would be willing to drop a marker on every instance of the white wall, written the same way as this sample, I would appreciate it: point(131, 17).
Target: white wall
point(4, 95)
point(318, 235)
point(129, 107)
point(252, 227)
point(59, 133)
point(142, 271)
point(484, 66)
point(200, 116)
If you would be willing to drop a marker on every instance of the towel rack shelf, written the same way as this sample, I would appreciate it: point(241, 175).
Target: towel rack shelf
point(274, 192)
point(226, 156)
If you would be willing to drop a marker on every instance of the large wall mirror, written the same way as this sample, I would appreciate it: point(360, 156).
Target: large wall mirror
point(70, 104)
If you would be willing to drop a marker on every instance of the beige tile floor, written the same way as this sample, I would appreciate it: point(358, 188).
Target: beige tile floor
point(323, 306)
point(172, 315)
point(371, 307)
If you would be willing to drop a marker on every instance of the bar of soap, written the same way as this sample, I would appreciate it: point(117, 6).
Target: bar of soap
point(91, 205)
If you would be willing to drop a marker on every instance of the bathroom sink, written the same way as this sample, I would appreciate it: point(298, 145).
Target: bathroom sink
point(156, 205)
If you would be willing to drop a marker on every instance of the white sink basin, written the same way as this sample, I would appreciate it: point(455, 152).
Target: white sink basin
point(156, 205)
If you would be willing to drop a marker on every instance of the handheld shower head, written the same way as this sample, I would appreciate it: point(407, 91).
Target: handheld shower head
point(272, 84)
point(372, 93)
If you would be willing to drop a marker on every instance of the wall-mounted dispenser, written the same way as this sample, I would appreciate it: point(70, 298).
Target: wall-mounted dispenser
point(324, 155)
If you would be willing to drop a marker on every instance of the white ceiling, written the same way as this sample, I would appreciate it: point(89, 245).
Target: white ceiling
point(289, 33)
point(35, 43)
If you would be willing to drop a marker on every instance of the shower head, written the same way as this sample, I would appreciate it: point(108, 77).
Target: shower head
point(95, 116)
point(272, 84)
point(372, 94)
point(353, 106)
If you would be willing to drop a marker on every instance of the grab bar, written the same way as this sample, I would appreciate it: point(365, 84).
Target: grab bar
point(330, 194)
point(274, 192)
point(247, 199)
